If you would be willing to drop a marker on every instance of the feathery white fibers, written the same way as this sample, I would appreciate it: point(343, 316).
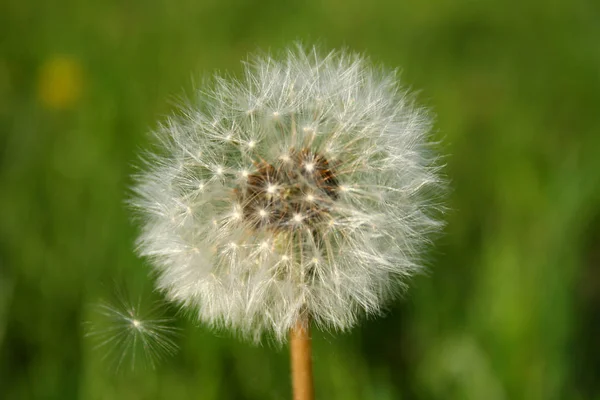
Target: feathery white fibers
point(129, 333)
point(299, 190)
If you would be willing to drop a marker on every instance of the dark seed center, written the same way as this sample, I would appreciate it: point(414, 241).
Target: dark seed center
point(296, 190)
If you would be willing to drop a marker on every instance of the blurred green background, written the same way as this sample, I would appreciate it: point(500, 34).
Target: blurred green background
point(511, 306)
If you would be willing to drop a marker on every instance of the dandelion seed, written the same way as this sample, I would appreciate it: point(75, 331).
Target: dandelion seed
point(131, 335)
point(346, 212)
point(271, 189)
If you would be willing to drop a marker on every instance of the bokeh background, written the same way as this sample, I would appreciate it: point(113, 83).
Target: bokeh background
point(510, 308)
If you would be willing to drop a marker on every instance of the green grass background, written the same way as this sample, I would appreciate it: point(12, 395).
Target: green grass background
point(511, 306)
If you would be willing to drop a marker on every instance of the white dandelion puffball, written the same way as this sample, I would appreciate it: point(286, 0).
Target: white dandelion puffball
point(299, 191)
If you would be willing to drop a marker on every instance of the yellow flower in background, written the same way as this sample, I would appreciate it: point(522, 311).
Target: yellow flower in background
point(60, 82)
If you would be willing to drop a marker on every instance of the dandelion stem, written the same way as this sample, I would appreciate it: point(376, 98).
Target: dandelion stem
point(301, 361)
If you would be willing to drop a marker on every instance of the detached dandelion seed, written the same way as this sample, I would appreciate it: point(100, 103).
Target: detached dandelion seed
point(131, 335)
point(338, 177)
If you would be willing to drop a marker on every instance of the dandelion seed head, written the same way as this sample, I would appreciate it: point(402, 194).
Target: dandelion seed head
point(334, 208)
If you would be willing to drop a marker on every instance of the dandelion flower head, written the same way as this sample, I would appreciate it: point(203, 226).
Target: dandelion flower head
point(299, 190)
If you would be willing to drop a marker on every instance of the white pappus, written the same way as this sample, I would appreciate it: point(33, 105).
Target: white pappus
point(303, 189)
